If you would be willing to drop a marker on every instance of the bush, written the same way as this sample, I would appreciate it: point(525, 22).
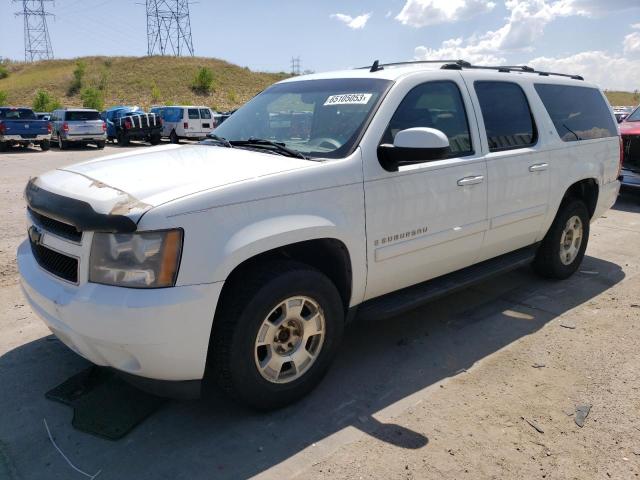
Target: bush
point(92, 98)
point(203, 81)
point(4, 98)
point(78, 77)
point(155, 93)
point(44, 102)
point(4, 71)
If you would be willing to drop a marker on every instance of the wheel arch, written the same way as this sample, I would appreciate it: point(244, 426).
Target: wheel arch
point(586, 190)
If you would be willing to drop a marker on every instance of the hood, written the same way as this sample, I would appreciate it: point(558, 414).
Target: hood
point(132, 183)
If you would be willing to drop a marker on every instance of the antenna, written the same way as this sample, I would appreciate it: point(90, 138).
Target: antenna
point(295, 65)
point(37, 44)
point(169, 28)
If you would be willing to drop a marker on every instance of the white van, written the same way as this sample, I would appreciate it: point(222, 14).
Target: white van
point(185, 122)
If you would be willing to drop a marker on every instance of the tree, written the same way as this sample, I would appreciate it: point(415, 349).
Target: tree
point(92, 98)
point(44, 102)
point(203, 81)
point(4, 97)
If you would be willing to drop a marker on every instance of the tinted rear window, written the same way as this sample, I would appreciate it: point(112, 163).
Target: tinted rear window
point(18, 114)
point(507, 116)
point(81, 116)
point(578, 113)
point(172, 114)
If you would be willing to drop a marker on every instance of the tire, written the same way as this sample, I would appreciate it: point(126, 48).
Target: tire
point(554, 260)
point(155, 139)
point(45, 145)
point(233, 356)
point(3, 147)
point(173, 137)
point(123, 140)
point(100, 145)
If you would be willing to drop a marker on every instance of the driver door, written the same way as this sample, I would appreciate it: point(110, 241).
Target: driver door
point(426, 219)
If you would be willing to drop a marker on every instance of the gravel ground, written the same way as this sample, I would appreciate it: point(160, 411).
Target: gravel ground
point(482, 384)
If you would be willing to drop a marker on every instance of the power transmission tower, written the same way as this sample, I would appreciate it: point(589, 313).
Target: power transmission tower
point(169, 28)
point(37, 44)
point(295, 65)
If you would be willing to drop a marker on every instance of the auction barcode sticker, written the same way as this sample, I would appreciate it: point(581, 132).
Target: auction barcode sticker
point(349, 99)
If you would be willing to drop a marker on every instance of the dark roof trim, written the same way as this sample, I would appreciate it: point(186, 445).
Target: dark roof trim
point(75, 212)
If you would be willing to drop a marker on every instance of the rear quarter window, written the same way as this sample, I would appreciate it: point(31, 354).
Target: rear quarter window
point(578, 113)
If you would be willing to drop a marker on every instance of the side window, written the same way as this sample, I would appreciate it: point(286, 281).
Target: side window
point(436, 105)
point(193, 114)
point(578, 113)
point(507, 117)
point(205, 113)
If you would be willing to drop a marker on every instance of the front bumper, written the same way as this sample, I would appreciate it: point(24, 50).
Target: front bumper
point(160, 334)
point(21, 139)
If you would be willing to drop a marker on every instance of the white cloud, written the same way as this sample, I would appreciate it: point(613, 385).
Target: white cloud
point(356, 23)
point(420, 13)
point(454, 49)
point(631, 43)
point(607, 71)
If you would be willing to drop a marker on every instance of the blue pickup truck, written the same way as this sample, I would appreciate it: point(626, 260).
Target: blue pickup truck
point(20, 126)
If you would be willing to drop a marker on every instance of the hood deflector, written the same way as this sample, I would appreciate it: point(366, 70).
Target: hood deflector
point(78, 213)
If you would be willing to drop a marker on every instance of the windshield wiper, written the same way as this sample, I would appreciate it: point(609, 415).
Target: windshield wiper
point(261, 142)
point(221, 140)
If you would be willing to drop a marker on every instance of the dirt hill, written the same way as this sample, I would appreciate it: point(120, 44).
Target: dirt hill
point(143, 81)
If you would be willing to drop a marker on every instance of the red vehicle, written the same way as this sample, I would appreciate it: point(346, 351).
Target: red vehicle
point(630, 131)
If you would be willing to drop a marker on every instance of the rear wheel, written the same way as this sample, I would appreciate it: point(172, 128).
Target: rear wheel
point(562, 250)
point(100, 145)
point(275, 335)
point(123, 140)
point(45, 145)
point(3, 146)
point(173, 137)
point(155, 139)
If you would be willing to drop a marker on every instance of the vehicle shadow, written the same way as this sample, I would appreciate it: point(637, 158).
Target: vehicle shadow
point(379, 365)
point(14, 151)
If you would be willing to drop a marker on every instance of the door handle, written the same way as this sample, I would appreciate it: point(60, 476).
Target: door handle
point(471, 180)
point(538, 167)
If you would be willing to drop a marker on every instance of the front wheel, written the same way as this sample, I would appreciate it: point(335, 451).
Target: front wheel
point(562, 250)
point(173, 137)
point(276, 335)
point(3, 146)
point(155, 139)
point(100, 145)
point(123, 140)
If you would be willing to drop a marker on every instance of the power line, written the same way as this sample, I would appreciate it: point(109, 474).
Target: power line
point(169, 28)
point(37, 43)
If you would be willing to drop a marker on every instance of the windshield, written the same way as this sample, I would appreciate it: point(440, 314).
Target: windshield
point(171, 114)
point(634, 117)
point(319, 118)
point(17, 114)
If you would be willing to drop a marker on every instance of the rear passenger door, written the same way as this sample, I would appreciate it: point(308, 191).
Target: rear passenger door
point(206, 120)
point(194, 125)
point(517, 164)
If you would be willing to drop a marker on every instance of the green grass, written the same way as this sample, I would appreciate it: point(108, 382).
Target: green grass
point(131, 80)
point(622, 98)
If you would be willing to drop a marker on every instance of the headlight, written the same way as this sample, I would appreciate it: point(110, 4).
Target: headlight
point(138, 260)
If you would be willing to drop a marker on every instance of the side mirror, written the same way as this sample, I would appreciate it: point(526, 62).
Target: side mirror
point(413, 145)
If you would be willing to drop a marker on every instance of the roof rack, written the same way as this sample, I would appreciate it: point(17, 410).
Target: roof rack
point(462, 64)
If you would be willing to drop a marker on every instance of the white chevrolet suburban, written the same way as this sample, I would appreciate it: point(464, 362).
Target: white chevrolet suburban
point(236, 262)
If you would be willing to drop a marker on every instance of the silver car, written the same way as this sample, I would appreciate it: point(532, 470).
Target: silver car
point(78, 126)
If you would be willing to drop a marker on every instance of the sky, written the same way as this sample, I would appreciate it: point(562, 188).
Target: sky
point(599, 39)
